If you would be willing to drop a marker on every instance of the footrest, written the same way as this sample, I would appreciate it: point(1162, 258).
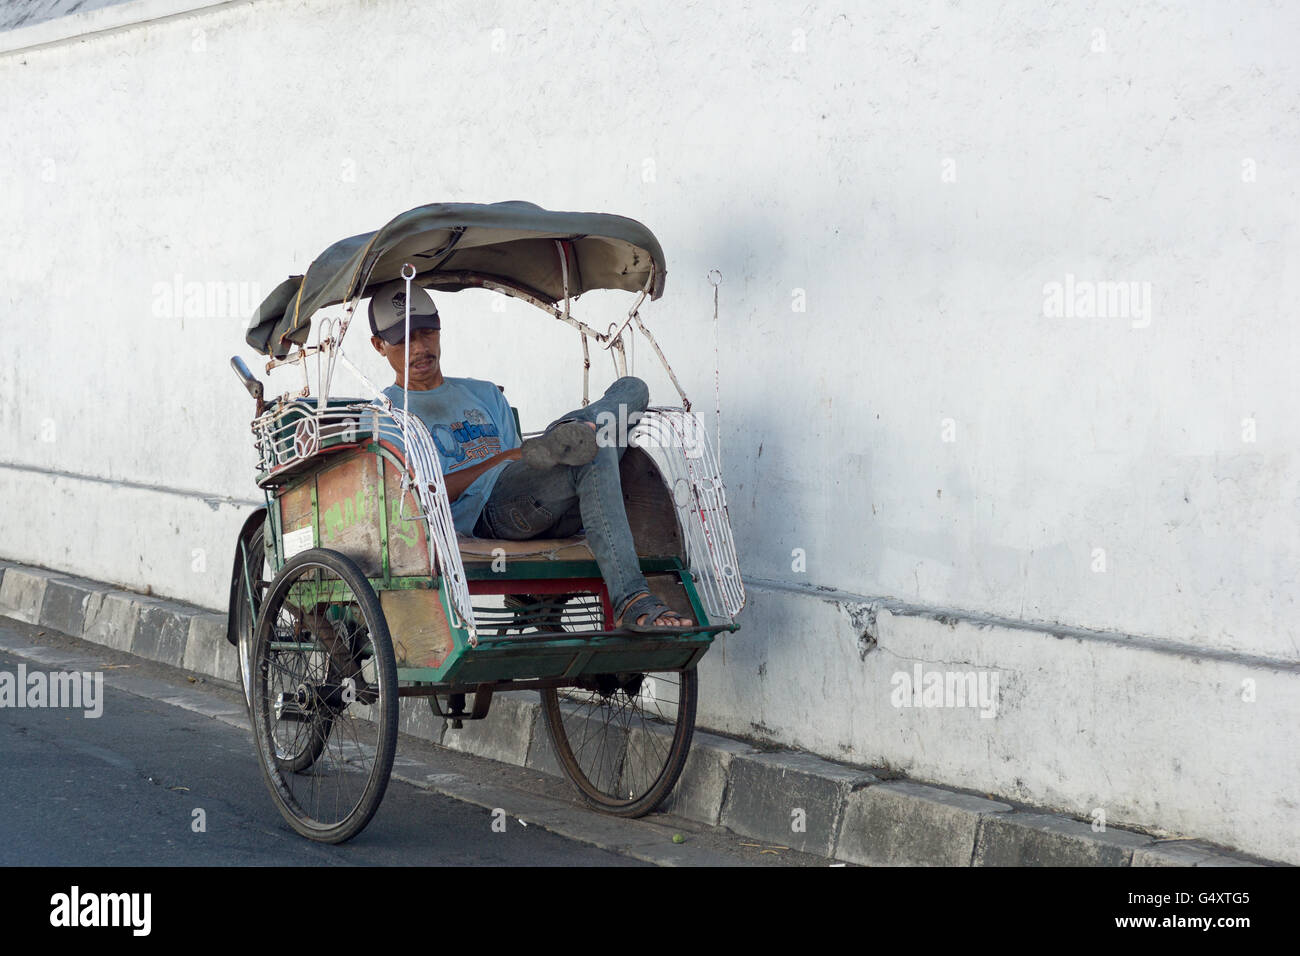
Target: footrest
point(638, 636)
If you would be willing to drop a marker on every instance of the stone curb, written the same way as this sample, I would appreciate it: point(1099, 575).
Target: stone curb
point(784, 799)
point(22, 592)
point(899, 823)
point(1040, 839)
point(789, 799)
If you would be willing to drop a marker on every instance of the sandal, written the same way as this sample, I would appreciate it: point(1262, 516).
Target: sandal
point(653, 609)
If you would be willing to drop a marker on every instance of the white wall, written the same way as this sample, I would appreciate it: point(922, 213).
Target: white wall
point(915, 174)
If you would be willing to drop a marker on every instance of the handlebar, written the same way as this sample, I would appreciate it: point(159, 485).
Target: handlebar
point(252, 384)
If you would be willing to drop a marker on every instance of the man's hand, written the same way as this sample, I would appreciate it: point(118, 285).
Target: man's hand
point(460, 479)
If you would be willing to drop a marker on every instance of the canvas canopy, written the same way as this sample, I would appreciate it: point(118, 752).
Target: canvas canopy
point(510, 242)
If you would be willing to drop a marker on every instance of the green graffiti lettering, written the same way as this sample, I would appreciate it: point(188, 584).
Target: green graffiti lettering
point(331, 522)
point(399, 527)
point(345, 513)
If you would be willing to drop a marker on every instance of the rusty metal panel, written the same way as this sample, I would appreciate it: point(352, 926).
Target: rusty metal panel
point(651, 515)
point(408, 543)
point(347, 494)
point(418, 626)
point(295, 507)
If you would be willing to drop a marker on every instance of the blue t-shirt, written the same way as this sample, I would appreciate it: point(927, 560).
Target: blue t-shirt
point(470, 421)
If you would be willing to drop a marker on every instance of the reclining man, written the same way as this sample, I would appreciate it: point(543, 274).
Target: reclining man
point(550, 485)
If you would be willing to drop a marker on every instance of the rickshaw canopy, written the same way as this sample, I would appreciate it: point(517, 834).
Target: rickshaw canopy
point(459, 245)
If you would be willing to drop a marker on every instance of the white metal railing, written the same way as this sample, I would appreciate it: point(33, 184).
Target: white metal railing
point(298, 430)
point(678, 444)
point(424, 477)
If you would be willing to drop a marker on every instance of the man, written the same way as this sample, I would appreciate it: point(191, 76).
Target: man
point(500, 487)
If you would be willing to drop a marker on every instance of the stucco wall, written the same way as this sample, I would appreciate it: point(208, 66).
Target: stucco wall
point(911, 409)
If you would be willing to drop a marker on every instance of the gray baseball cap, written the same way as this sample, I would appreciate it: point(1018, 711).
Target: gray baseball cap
point(388, 311)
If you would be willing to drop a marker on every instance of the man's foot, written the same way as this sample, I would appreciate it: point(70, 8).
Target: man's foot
point(568, 443)
point(651, 615)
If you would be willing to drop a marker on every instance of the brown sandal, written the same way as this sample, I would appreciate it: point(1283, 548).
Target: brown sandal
point(653, 609)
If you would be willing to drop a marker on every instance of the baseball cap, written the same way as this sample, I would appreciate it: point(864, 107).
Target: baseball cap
point(388, 311)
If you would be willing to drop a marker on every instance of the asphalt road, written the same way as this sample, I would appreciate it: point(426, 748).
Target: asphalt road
point(127, 788)
point(122, 790)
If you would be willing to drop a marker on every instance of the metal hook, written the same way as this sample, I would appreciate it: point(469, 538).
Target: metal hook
point(715, 282)
point(405, 276)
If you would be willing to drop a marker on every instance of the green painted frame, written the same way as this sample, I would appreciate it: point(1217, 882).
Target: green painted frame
point(498, 659)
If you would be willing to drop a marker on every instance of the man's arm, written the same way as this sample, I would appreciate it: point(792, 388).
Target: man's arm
point(460, 479)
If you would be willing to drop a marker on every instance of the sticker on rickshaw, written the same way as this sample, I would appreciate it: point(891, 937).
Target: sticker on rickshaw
point(296, 542)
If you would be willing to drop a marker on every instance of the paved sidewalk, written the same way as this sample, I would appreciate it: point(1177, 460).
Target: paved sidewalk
point(788, 799)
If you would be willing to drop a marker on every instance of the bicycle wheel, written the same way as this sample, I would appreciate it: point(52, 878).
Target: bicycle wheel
point(622, 739)
point(256, 577)
point(324, 695)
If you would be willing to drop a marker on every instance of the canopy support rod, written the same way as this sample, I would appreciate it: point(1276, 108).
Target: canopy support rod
point(586, 372)
point(336, 348)
point(586, 359)
point(635, 305)
point(686, 402)
point(616, 354)
point(406, 341)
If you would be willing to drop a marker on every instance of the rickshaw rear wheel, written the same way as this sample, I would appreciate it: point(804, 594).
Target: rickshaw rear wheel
point(324, 696)
point(622, 739)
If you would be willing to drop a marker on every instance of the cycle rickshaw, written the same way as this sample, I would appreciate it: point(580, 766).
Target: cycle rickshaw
point(351, 589)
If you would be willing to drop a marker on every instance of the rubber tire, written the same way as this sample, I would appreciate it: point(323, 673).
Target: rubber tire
point(246, 630)
point(273, 766)
point(245, 619)
point(599, 799)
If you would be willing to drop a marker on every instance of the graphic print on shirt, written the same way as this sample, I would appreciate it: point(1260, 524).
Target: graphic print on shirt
point(468, 441)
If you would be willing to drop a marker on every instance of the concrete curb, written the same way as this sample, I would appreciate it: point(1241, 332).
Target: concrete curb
point(790, 799)
point(908, 824)
point(785, 799)
point(1040, 839)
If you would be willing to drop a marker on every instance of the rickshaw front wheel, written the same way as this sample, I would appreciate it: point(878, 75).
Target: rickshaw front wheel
point(324, 696)
point(622, 739)
point(256, 577)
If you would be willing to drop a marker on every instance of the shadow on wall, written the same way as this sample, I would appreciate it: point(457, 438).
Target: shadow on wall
point(768, 356)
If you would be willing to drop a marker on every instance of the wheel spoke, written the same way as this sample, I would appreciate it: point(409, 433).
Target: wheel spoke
point(623, 744)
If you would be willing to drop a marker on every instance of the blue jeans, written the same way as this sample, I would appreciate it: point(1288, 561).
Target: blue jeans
point(558, 502)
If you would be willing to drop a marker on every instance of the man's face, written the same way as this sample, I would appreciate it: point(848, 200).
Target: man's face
point(425, 371)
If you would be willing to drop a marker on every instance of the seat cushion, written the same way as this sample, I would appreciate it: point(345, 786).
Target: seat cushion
point(556, 549)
